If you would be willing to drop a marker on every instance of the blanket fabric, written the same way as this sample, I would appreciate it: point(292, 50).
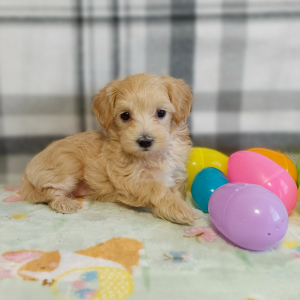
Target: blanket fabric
point(241, 59)
point(107, 251)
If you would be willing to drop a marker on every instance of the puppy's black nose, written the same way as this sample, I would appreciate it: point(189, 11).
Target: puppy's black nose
point(145, 142)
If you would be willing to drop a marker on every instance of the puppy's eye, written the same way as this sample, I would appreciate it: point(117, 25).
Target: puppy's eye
point(125, 116)
point(161, 113)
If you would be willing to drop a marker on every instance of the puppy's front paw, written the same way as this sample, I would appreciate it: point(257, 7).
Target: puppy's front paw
point(175, 210)
point(65, 205)
point(198, 214)
point(184, 214)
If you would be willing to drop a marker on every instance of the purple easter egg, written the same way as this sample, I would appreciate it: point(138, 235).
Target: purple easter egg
point(249, 215)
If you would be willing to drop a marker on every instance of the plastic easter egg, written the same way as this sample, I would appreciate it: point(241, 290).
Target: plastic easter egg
point(204, 184)
point(280, 159)
point(200, 158)
point(298, 171)
point(255, 168)
point(249, 215)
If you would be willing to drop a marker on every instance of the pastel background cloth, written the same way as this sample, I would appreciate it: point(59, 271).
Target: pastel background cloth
point(241, 59)
point(113, 252)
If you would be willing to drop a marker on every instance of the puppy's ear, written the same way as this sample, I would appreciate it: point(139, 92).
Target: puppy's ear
point(103, 104)
point(180, 96)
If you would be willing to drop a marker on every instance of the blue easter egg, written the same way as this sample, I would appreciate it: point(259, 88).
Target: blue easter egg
point(205, 183)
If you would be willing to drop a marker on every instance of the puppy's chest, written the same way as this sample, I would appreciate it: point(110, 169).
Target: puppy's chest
point(164, 177)
point(165, 171)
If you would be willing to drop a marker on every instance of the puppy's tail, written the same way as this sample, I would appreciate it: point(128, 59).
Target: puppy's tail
point(29, 192)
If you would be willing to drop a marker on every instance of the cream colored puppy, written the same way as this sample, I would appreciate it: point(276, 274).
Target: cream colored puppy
point(138, 160)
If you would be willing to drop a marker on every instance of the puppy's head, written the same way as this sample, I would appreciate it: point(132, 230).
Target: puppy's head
point(141, 109)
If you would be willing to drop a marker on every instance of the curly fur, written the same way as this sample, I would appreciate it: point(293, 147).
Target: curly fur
point(110, 166)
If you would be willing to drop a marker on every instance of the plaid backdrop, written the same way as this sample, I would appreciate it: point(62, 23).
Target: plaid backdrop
point(241, 58)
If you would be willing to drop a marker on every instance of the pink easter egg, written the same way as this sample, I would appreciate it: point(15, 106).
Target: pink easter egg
point(254, 168)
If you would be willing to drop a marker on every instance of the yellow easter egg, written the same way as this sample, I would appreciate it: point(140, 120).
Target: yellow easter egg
point(200, 158)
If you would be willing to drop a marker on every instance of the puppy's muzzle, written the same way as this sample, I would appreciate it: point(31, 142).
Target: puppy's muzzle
point(145, 142)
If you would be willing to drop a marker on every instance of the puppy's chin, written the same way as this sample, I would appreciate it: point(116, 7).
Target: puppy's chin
point(140, 152)
point(146, 152)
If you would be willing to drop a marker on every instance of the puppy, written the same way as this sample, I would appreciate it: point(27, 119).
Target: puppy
point(139, 159)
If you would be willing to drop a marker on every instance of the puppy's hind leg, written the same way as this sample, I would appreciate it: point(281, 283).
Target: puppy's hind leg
point(60, 197)
point(30, 193)
point(56, 195)
point(65, 205)
point(52, 175)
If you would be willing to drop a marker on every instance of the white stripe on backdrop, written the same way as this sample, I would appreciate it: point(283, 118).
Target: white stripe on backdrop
point(241, 58)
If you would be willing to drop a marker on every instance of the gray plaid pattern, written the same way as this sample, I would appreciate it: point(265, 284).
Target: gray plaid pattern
point(241, 58)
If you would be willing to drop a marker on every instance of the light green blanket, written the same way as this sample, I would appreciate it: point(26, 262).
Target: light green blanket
point(106, 251)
